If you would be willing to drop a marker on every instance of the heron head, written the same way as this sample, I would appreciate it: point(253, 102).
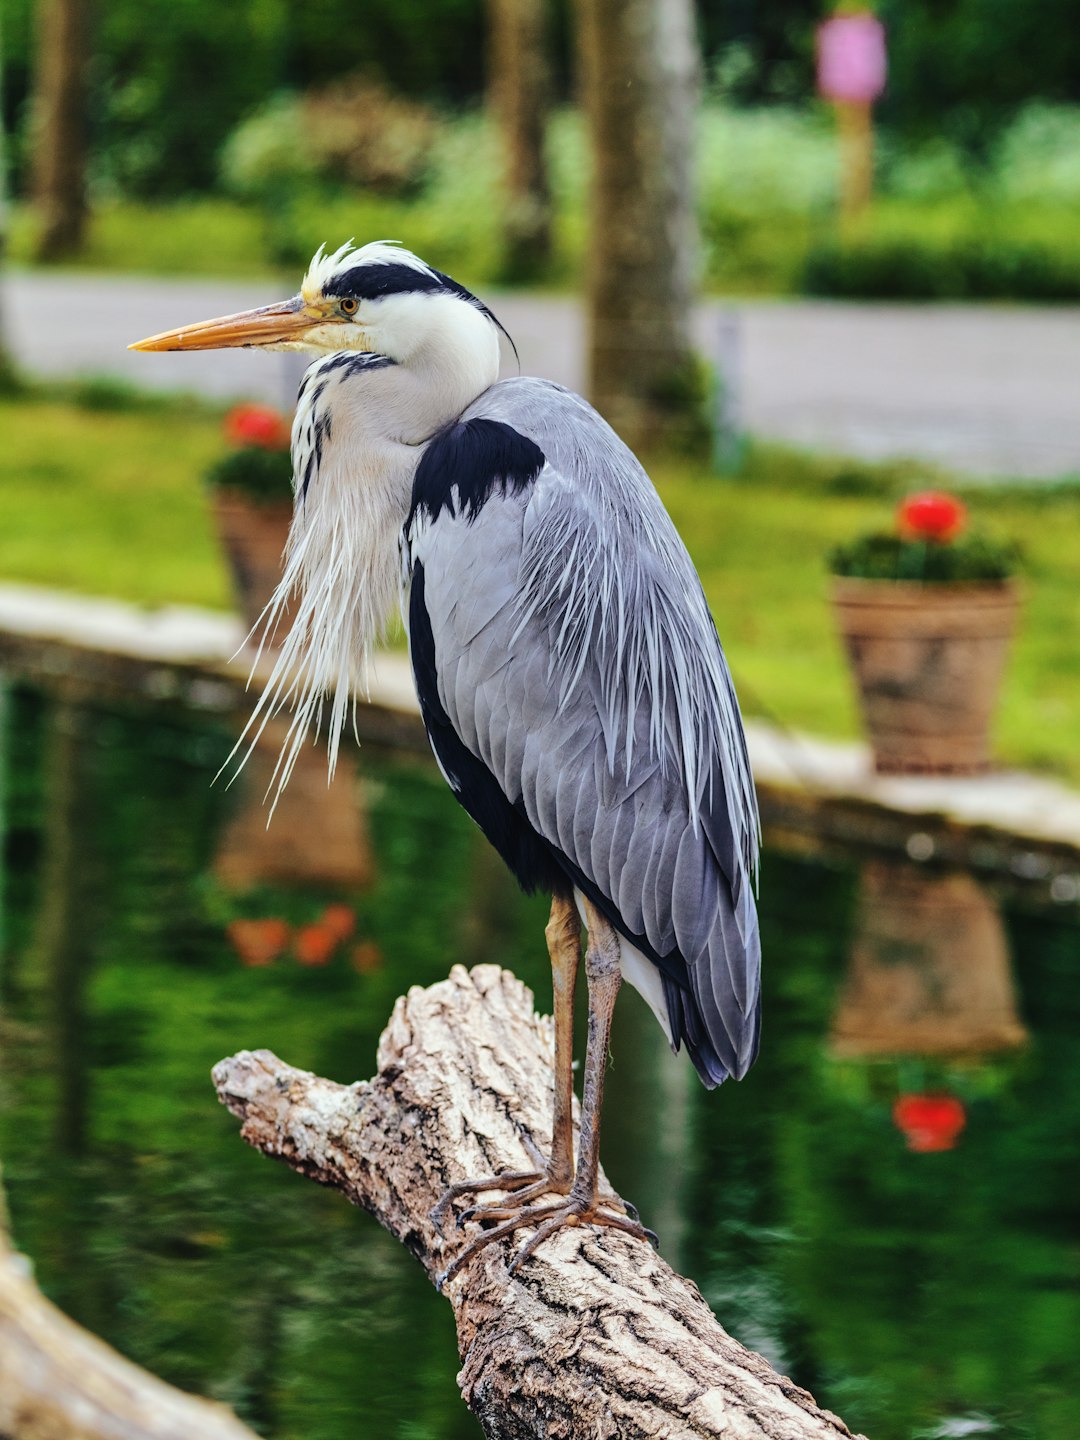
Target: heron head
point(380, 298)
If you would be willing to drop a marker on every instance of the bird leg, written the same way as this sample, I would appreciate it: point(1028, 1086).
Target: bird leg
point(555, 1174)
point(583, 1199)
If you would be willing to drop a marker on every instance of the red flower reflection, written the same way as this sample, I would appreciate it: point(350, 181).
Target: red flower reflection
point(314, 944)
point(338, 920)
point(257, 426)
point(932, 515)
point(258, 942)
point(366, 957)
point(929, 1122)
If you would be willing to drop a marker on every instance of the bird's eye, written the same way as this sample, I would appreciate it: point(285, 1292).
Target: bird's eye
point(350, 306)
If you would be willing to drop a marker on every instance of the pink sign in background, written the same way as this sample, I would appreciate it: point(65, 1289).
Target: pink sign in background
point(851, 58)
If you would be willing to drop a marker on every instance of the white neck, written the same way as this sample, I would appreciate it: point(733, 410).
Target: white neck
point(446, 353)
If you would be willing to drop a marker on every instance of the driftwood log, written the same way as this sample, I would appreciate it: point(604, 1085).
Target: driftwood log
point(595, 1336)
point(59, 1382)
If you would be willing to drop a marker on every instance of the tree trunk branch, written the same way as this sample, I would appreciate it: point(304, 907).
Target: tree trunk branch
point(596, 1336)
point(518, 87)
point(639, 73)
point(60, 126)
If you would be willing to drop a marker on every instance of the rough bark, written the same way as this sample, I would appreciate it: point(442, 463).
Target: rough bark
point(518, 87)
point(57, 1382)
point(60, 126)
point(595, 1336)
point(639, 75)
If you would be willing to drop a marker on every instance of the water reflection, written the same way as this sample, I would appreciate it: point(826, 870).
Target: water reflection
point(929, 972)
point(930, 978)
point(906, 1289)
point(318, 834)
point(63, 946)
point(649, 1127)
point(930, 1123)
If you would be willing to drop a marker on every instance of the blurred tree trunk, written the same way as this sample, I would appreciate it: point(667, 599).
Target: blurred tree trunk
point(518, 88)
point(639, 71)
point(60, 126)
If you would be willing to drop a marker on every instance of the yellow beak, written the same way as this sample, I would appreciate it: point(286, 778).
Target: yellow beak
point(268, 325)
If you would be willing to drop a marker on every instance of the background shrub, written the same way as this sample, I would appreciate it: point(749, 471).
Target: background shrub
point(962, 253)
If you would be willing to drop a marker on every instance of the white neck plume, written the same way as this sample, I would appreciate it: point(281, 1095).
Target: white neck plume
point(365, 422)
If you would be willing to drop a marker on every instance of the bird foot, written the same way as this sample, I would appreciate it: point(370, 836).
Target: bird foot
point(521, 1185)
point(576, 1209)
point(544, 1184)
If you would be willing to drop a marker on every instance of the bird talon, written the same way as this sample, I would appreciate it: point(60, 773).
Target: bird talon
point(474, 1212)
point(616, 1203)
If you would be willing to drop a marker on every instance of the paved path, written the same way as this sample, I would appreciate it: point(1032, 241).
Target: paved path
point(992, 390)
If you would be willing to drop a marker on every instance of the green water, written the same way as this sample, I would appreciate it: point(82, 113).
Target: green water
point(919, 1294)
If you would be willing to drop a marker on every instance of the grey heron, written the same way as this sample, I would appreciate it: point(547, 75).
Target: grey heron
point(567, 666)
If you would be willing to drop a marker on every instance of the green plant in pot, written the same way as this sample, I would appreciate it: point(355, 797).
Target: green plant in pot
point(926, 613)
point(251, 488)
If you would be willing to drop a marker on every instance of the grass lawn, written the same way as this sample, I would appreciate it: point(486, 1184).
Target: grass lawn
point(108, 502)
point(206, 236)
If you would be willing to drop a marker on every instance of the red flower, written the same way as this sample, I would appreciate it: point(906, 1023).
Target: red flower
point(931, 516)
point(258, 942)
point(929, 1122)
point(257, 426)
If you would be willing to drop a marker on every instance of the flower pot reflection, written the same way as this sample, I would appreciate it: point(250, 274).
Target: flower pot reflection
point(929, 973)
point(318, 835)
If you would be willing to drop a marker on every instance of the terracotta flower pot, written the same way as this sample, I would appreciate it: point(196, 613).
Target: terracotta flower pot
point(928, 660)
point(253, 535)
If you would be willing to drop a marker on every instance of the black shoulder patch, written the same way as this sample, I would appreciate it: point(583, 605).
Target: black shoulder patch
point(466, 462)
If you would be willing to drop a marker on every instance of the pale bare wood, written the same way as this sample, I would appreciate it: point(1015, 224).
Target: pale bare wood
point(596, 1336)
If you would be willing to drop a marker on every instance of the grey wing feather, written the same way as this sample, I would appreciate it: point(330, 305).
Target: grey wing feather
point(576, 657)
